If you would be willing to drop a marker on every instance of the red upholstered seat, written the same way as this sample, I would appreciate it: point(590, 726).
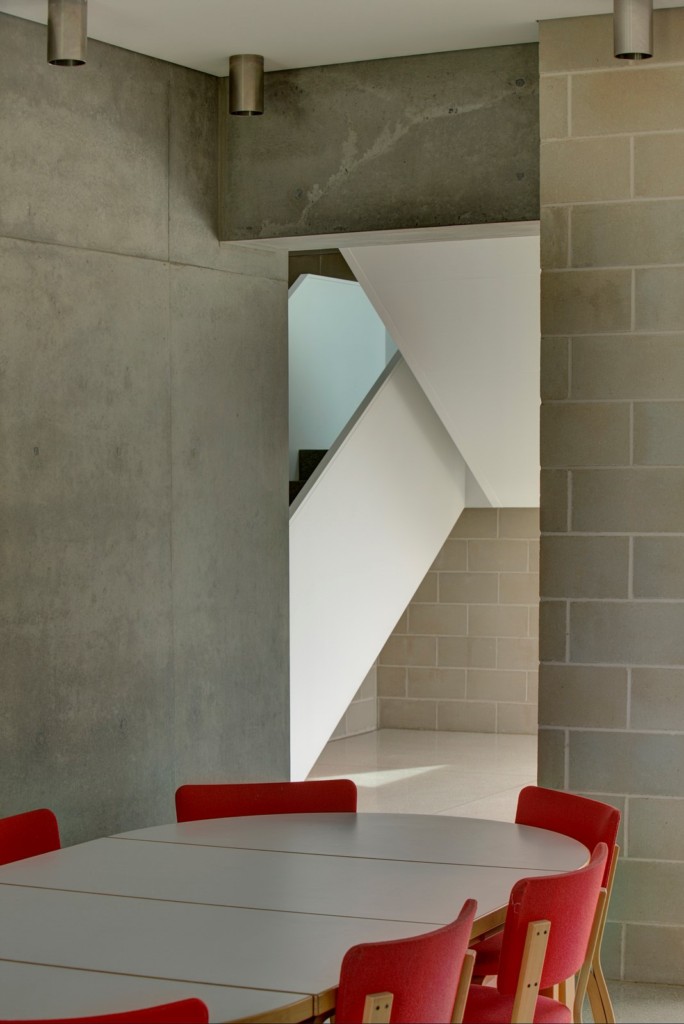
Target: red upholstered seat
point(422, 973)
point(231, 800)
point(487, 1006)
point(184, 1011)
point(588, 821)
point(564, 906)
point(28, 834)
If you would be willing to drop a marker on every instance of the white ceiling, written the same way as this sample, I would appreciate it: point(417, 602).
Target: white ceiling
point(201, 34)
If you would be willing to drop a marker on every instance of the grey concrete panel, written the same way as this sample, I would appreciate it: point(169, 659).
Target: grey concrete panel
point(193, 183)
point(230, 525)
point(88, 679)
point(84, 150)
point(87, 728)
point(85, 611)
point(444, 138)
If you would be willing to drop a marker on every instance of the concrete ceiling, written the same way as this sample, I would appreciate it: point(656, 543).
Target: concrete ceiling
point(201, 34)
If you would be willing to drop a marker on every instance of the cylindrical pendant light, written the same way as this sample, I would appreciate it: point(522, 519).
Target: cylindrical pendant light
point(246, 84)
point(67, 32)
point(633, 29)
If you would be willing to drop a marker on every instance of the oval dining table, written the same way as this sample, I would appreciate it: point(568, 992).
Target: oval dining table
point(252, 915)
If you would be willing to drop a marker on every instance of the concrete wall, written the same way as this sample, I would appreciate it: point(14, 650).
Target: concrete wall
point(143, 456)
point(441, 138)
point(612, 506)
point(464, 654)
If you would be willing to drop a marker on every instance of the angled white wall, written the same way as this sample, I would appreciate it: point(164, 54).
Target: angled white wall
point(361, 539)
point(465, 316)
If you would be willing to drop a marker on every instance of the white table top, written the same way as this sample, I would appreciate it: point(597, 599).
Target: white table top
point(32, 991)
point(437, 839)
point(244, 907)
point(263, 880)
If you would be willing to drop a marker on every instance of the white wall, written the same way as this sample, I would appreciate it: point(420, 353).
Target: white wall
point(361, 540)
point(337, 350)
point(465, 316)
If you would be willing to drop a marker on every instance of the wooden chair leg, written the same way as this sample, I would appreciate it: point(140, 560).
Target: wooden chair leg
point(583, 978)
point(598, 1010)
point(463, 987)
point(599, 996)
point(596, 987)
point(566, 993)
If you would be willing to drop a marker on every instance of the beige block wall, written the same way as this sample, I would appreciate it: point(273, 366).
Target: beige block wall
point(362, 714)
point(463, 656)
point(611, 703)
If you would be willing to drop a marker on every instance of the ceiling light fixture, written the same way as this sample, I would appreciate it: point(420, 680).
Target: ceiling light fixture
point(246, 84)
point(67, 32)
point(633, 29)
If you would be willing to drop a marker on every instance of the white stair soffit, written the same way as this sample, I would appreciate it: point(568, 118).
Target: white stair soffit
point(361, 540)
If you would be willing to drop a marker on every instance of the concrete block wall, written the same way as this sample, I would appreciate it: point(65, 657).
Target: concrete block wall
point(464, 655)
point(611, 702)
point(362, 714)
point(143, 456)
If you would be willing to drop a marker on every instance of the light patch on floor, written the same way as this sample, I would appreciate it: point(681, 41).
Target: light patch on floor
point(400, 770)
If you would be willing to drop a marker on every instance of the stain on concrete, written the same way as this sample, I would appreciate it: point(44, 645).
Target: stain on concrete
point(435, 139)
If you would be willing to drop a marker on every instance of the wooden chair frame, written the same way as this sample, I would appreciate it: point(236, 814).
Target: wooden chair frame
point(591, 980)
point(573, 990)
point(531, 967)
point(596, 987)
point(378, 1006)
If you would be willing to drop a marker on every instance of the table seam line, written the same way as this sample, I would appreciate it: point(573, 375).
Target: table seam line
point(347, 856)
point(155, 977)
point(219, 906)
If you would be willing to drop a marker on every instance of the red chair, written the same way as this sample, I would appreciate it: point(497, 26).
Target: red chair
point(590, 822)
point(28, 834)
point(232, 800)
point(409, 980)
point(550, 933)
point(184, 1011)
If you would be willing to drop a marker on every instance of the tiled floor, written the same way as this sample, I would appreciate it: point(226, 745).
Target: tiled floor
point(434, 772)
point(475, 775)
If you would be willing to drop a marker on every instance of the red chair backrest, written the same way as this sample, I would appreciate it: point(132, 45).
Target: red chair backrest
point(28, 834)
point(421, 972)
point(185, 1011)
point(588, 821)
point(232, 800)
point(569, 902)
